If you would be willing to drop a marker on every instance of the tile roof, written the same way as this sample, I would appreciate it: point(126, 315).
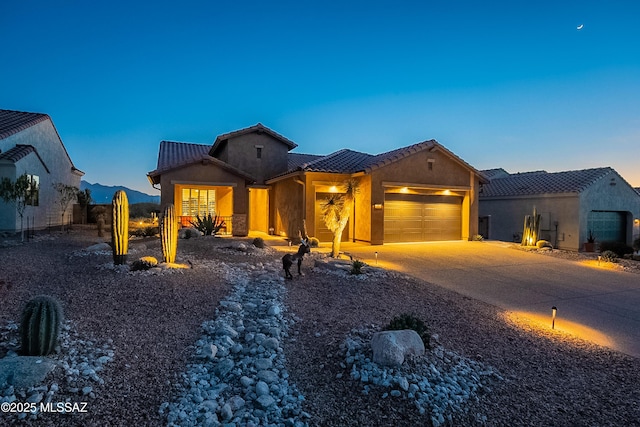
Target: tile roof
point(295, 160)
point(494, 173)
point(173, 155)
point(12, 122)
point(341, 161)
point(260, 128)
point(541, 182)
point(21, 151)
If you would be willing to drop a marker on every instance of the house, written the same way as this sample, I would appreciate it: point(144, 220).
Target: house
point(570, 203)
point(251, 178)
point(30, 144)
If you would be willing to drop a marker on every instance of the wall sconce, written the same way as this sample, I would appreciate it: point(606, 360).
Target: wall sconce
point(554, 310)
point(377, 206)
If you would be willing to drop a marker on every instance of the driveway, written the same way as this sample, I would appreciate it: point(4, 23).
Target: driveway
point(596, 304)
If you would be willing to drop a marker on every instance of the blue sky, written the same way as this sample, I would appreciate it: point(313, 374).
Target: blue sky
point(507, 84)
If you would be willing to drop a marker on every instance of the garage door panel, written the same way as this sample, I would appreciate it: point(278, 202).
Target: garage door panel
point(416, 218)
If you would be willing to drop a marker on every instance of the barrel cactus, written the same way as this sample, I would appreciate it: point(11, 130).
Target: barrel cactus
point(40, 325)
point(169, 234)
point(120, 227)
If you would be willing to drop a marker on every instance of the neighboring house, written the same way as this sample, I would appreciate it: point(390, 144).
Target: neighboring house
point(417, 193)
point(30, 144)
point(570, 204)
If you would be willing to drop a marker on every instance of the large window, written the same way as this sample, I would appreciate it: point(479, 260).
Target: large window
point(199, 202)
point(33, 190)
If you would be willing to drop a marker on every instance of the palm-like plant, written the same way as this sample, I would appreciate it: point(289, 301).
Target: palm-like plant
point(336, 211)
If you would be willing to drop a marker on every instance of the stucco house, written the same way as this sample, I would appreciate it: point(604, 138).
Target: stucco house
point(251, 178)
point(571, 204)
point(30, 144)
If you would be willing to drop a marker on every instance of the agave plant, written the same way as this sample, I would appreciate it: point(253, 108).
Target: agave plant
point(208, 225)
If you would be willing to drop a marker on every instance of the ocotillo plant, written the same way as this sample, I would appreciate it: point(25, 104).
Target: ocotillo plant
point(120, 227)
point(169, 233)
point(40, 325)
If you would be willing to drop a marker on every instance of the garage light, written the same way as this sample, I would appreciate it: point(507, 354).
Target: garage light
point(333, 189)
point(446, 192)
point(404, 190)
point(377, 206)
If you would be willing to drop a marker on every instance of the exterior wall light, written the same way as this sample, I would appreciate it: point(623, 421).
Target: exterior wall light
point(554, 310)
point(377, 206)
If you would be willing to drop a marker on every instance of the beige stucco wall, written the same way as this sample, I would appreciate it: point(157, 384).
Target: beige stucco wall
point(46, 141)
point(507, 218)
point(286, 197)
point(259, 209)
point(241, 152)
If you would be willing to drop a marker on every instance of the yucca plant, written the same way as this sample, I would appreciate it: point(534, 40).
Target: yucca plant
point(40, 325)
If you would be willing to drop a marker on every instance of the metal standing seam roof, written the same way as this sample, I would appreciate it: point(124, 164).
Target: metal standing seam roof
point(541, 182)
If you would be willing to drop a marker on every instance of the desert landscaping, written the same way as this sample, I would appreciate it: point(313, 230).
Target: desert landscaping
point(230, 341)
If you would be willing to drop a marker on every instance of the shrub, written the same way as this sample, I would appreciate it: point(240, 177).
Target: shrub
point(40, 325)
point(208, 225)
point(356, 267)
point(609, 256)
point(313, 242)
point(477, 238)
point(636, 244)
point(618, 247)
point(410, 321)
point(258, 242)
point(144, 263)
point(544, 244)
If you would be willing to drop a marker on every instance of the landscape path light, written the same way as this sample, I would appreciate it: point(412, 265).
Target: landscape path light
point(376, 253)
point(554, 310)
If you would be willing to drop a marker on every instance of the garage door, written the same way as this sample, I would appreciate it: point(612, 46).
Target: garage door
point(608, 226)
point(416, 218)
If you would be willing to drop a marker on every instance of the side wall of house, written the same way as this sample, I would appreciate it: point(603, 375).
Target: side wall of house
point(506, 218)
point(44, 138)
point(242, 153)
point(287, 213)
point(611, 193)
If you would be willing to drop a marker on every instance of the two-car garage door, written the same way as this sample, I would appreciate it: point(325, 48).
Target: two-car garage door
point(420, 218)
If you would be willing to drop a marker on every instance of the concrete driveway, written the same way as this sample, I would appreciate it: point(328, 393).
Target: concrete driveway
point(596, 304)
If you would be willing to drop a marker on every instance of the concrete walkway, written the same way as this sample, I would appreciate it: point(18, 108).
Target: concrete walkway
point(596, 304)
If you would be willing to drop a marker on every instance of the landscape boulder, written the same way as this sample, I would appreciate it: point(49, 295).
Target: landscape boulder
point(391, 347)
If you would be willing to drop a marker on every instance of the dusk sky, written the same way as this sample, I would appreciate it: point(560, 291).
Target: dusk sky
point(508, 84)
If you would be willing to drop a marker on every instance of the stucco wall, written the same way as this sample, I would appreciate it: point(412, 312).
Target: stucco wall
point(611, 193)
point(47, 143)
point(241, 152)
point(507, 218)
point(287, 202)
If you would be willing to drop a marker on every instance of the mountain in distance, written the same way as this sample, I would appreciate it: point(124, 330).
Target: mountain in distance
point(103, 194)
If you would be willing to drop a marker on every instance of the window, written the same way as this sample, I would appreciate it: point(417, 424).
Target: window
point(259, 151)
point(430, 163)
point(33, 190)
point(198, 202)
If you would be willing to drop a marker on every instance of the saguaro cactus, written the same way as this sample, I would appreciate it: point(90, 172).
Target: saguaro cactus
point(120, 227)
point(169, 233)
point(40, 325)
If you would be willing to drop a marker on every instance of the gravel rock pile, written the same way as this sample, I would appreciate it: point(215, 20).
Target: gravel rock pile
point(440, 383)
point(78, 365)
point(239, 375)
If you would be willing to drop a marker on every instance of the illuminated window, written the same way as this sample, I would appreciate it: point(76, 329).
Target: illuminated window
point(33, 191)
point(198, 202)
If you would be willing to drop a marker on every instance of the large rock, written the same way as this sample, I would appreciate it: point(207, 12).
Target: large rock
point(24, 371)
point(391, 347)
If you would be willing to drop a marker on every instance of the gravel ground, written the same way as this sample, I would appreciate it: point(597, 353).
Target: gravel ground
point(152, 323)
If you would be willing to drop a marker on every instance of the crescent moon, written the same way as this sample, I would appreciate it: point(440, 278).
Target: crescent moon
point(580, 26)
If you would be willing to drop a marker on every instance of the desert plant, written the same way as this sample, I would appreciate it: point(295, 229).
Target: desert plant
point(66, 194)
point(336, 211)
point(619, 248)
point(636, 244)
point(120, 227)
point(410, 321)
point(544, 244)
point(477, 238)
point(144, 263)
point(609, 256)
point(208, 225)
point(591, 238)
point(40, 325)
point(356, 267)
point(258, 242)
point(313, 242)
point(21, 193)
point(531, 229)
point(169, 234)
